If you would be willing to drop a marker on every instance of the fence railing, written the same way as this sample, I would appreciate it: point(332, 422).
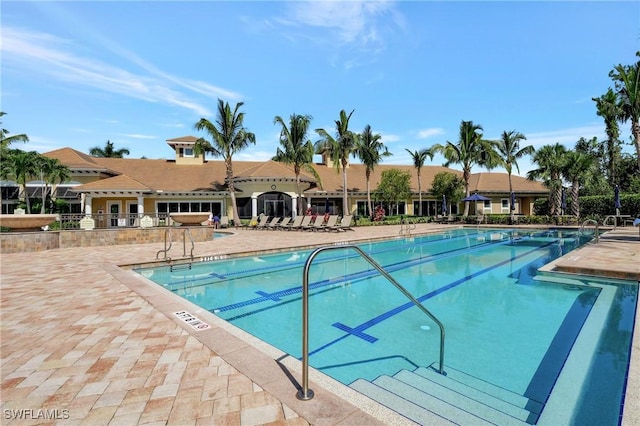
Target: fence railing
point(108, 220)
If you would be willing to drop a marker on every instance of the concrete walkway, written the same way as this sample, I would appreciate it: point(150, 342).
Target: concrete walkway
point(87, 342)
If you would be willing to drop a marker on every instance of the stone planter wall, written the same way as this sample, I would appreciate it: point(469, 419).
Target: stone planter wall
point(25, 242)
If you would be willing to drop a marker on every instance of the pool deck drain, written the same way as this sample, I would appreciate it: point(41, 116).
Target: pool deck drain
point(86, 342)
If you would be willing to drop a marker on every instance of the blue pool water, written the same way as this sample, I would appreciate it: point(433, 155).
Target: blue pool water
point(504, 324)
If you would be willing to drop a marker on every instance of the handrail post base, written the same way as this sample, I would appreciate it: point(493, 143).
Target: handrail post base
point(302, 396)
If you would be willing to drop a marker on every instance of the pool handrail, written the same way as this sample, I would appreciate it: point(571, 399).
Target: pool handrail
point(597, 231)
point(165, 250)
point(305, 394)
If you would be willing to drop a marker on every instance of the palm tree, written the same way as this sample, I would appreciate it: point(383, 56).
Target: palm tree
point(296, 148)
point(52, 172)
point(551, 162)
point(419, 158)
point(22, 166)
point(227, 138)
point(370, 150)
point(627, 82)
point(508, 147)
point(5, 140)
point(108, 151)
point(609, 110)
point(339, 149)
point(577, 168)
point(470, 150)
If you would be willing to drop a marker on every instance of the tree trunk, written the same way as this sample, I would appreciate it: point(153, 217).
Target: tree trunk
point(232, 192)
point(466, 174)
point(511, 211)
point(345, 201)
point(369, 206)
point(575, 205)
point(635, 129)
point(419, 195)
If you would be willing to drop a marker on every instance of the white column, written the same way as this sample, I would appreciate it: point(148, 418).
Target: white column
point(294, 206)
point(140, 206)
point(254, 205)
point(87, 204)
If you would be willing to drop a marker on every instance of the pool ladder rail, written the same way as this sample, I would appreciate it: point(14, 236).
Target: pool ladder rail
point(168, 242)
point(406, 227)
point(305, 394)
point(597, 229)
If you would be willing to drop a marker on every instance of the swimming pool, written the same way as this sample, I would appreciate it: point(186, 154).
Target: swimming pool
point(506, 326)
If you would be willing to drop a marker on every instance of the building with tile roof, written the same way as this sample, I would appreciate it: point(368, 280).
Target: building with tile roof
point(190, 183)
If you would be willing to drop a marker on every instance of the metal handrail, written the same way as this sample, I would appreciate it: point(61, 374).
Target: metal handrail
point(166, 249)
point(305, 393)
point(406, 227)
point(597, 231)
point(184, 243)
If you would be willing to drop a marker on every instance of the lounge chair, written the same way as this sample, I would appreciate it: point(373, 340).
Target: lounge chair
point(273, 223)
point(345, 223)
point(317, 224)
point(293, 225)
point(331, 224)
point(224, 222)
point(306, 220)
point(263, 223)
point(283, 224)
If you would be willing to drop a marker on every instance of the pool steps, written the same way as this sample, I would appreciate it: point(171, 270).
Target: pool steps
point(420, 393)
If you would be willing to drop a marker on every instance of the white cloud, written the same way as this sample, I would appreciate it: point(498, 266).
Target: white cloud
point(360, 27)
point(53, 57)
point(427, 133)
point(139, 136)
point(567, 137)
point(389, 138)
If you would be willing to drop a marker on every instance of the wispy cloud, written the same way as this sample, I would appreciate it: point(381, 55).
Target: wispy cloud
point(54, 57)
point(567, 137)
point(427, 133)
point(360, 27)
point(138, 136)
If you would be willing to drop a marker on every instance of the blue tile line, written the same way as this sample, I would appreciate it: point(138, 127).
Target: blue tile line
point(268, 296)
point(295, 264)
point(360, 275)
point(386, 315)
point(354, 332)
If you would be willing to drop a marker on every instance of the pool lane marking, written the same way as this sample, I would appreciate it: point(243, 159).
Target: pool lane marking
point(293, 265)
point(357, 275)
point(358, 330)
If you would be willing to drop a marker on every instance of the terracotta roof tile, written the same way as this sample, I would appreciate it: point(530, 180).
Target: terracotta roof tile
point(168, 176)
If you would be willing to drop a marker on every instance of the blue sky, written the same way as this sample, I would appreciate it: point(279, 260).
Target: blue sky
point(79, 73)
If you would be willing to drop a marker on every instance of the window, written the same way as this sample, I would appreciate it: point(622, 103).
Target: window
point(188, 152)
point(504, 207)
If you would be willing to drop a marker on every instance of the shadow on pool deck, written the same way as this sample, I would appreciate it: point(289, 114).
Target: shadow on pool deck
point(97, 344)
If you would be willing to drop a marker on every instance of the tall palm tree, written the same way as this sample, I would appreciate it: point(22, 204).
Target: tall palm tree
point(339, 149)
point(508, 147)
point(577, 169)
point(470, 150)
point(108, 151)
point(296, 150)
point(370, 150)
point(627, 83)
point(5, 140)
point(419, 157)
point(52, 172)
point(609, 109)
point(227, 138)
point(551, 162)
